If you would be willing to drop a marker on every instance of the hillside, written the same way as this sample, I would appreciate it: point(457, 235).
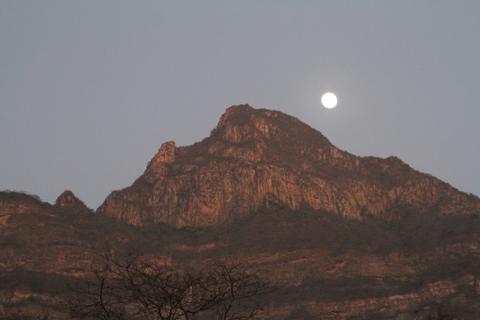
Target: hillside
point(337, 236)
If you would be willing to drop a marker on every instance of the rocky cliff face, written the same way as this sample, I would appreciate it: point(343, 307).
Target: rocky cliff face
point(256, 158)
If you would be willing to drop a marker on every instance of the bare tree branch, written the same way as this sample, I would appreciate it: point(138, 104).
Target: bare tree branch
point(135, 289)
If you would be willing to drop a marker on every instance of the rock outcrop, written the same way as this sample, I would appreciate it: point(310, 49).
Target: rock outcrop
point(12, 202)
point(255, 158)
point(67, 200)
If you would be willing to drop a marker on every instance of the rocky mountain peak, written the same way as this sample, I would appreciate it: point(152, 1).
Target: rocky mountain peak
point(254, 135)
point(243, 123)
point(68, 200)
point(235, 114)
point(257, 156)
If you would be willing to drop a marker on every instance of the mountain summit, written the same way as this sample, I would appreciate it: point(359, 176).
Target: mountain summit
point(257, 157)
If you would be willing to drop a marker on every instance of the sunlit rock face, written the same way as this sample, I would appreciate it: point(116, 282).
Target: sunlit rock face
point(256, 157)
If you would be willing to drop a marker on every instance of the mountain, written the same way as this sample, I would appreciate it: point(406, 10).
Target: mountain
point(67, 200)
point(255, 158)
point(338, 236)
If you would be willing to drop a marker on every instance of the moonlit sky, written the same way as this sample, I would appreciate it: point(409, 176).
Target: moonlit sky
point(90, 89)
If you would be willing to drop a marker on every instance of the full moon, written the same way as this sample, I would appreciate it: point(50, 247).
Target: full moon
point(329, 100)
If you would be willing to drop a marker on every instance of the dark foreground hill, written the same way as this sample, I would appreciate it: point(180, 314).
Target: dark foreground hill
point(338, 236)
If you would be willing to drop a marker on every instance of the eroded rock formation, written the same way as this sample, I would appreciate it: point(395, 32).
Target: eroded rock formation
point(256, 157)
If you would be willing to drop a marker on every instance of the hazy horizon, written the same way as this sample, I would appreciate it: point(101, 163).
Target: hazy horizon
point(89, 90)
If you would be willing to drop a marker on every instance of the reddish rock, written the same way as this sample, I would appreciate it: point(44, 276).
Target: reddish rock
point(256, 157)
point(12, 202)
point(68, 200)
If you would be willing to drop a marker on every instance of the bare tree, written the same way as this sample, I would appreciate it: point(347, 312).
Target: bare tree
point(134, 289)
point(239, 290)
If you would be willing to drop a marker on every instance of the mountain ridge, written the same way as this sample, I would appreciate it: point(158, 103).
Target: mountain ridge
point(257, 156)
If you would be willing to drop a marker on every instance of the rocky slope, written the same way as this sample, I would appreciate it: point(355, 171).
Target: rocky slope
point(338, 236)
point(255, 158)
point(322, 266)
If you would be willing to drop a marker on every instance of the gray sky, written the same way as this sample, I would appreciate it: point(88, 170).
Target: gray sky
point(90, 89)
